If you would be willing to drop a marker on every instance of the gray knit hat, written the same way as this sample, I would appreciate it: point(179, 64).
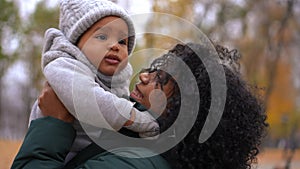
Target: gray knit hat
point(77, 16)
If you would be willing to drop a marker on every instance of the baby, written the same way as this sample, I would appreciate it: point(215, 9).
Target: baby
point(86, 64)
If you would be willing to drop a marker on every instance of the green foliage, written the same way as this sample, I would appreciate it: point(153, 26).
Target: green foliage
point(9, 18)
point(9, 14)
point(44, 18)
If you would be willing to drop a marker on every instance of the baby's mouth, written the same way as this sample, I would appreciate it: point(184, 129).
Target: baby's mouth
point(112, 59)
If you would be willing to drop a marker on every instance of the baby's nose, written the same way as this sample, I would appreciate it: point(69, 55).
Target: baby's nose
point(114, 45)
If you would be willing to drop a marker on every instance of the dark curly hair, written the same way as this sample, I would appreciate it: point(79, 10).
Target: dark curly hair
point(235, 142)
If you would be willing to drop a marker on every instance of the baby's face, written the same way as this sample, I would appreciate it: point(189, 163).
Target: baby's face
point(105, 44)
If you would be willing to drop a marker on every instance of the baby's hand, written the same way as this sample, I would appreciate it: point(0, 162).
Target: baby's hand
point(144, 123)
point(50, 105)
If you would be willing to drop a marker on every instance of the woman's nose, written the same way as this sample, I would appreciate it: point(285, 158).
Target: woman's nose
point(144, 77)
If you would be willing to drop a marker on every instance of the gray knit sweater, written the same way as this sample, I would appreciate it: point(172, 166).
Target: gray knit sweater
point(91, 97)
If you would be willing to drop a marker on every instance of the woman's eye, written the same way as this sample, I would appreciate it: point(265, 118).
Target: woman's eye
point(161, 78)
point(102, 37)
point(158, 77)
point(123, 42)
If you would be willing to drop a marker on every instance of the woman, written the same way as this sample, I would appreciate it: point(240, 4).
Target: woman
point(234, 143)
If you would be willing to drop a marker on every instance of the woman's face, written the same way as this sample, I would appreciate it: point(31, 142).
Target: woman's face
point(149, 91)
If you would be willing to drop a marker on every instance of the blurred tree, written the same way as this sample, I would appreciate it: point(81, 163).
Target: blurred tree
point(9, 24)
point(265, 32)
point(178, 8)
point(266, 47)
point(32, 40)
point(28, 35)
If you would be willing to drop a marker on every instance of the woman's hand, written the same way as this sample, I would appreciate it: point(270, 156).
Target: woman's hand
point(50, 105)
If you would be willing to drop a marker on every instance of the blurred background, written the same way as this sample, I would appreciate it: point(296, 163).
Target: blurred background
point(266, 32)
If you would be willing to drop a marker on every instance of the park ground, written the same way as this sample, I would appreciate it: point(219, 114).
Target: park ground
point(268, 158)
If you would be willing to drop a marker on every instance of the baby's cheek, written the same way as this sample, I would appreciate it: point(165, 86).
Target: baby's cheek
point(94, 56)
point(123, 64)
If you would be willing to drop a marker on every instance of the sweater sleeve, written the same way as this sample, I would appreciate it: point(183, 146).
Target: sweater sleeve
point(45, 145)
point(74, 84)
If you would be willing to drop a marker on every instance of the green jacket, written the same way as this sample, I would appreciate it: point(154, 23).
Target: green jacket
point(48, 141)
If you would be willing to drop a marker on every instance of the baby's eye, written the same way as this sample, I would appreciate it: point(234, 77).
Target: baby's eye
point(102, 37)
point(123, 42)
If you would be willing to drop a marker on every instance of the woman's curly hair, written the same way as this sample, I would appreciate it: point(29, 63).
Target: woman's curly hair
point(235, 142)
